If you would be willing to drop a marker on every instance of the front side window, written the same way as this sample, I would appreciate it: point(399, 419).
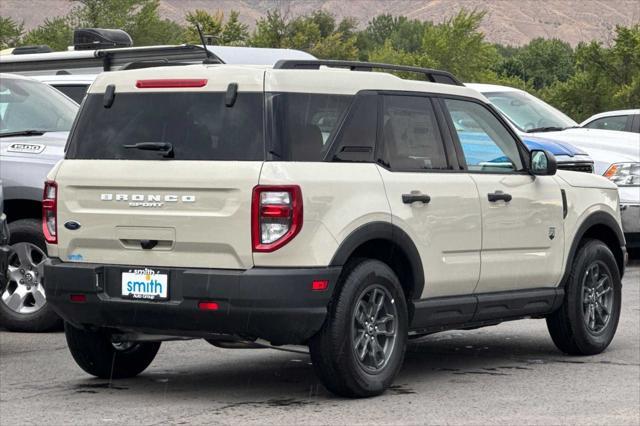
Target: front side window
point(28, 105)
point(618, 122)
point(411, 138)
point(303, 124)
point(486, 143)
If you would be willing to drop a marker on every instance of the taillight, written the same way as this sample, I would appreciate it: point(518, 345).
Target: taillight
point(276, 216)
point(50, 212)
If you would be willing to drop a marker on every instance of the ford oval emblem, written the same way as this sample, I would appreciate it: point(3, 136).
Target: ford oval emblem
point(72, 225)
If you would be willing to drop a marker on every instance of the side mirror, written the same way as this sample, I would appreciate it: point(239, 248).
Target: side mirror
point(543, 163)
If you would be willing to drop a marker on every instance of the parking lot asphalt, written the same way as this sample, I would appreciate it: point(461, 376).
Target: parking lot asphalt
point(506, 374)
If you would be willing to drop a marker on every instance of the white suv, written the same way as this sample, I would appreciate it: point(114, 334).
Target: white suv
point(314, 204)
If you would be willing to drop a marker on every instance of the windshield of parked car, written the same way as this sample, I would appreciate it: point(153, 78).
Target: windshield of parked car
point(528, 113)
point(30, 107)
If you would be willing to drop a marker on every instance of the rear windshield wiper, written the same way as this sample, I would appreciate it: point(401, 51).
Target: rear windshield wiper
point(545, 129)
point(165, 147)
point(24, 133)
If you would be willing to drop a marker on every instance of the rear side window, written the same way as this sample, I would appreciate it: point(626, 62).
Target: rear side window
point(74, 91)
point(618, 122)
point(411, 138)
point(303, 124)
point(199, 126)
point(357, 138)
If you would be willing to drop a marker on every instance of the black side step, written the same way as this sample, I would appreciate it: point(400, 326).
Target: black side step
point(455, 312)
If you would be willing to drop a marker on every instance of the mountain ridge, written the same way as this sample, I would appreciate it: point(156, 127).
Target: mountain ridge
point(507, 22)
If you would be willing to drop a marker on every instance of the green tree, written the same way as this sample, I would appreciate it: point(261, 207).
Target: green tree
point(316, 33)
point(235, 32)
point(325, 21)
point(139, 18)
point(606, 78)
point(10, 32)
point(541, 61)
point(210, 24)
point(271, 31)
point(402, 33)
point(57, 33)
point(455, 45)
point(458, 46)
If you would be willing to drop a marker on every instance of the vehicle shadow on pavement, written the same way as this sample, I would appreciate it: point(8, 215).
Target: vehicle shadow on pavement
point(288, 378)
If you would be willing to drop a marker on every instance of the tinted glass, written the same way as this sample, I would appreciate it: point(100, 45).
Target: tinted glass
point(618, 122)
point(486, 144)
point(357, 138)
point(199, 126)
point(75, 92)
point(29, 105)
point(411, 138)
point(529, 113)
point(304, 123)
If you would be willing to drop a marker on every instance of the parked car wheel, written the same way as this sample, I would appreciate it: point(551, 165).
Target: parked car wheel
point(360, 348)
point(98, 355)
point(588, 318)
point(23, 305)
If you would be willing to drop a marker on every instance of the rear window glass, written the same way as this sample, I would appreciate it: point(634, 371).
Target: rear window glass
point(198, 126)
point(304, 124)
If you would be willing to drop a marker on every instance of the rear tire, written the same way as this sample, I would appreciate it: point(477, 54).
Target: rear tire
point(21, 309)
point(369, 289)
point(588, 318)
point(95, 353)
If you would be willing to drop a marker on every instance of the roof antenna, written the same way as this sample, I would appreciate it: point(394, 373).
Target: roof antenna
point(211, 58)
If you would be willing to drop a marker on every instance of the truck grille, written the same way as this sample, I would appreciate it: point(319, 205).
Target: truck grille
point(576, 167)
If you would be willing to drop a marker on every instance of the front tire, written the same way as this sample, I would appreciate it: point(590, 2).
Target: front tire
point(588, 318)
point(23, 305)
point(360, 348)
point(95, 353)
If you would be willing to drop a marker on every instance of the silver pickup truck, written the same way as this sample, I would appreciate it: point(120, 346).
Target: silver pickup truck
point(34, 123)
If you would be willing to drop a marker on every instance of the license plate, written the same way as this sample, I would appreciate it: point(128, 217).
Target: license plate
point(145, 284)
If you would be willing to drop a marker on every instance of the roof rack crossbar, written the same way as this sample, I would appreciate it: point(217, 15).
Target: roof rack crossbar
point(107, 59)
point(435, 76)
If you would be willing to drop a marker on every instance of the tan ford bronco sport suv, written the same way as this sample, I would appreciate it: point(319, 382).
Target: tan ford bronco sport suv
point(318, 203)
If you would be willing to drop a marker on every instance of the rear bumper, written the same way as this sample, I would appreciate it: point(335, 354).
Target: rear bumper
point(275, 304)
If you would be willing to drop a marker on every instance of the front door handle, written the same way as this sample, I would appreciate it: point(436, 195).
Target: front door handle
point(415, 196)
point(499, 195)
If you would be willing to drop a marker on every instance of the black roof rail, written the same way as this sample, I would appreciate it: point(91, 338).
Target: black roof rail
point(435, 76)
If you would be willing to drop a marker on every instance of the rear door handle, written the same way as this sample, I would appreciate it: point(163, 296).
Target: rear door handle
point(499, 195)
point(415, 196)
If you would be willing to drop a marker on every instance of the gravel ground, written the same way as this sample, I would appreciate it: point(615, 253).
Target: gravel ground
point(507, 374)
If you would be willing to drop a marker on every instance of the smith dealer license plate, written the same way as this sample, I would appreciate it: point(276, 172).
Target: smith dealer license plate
point(145, 284)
